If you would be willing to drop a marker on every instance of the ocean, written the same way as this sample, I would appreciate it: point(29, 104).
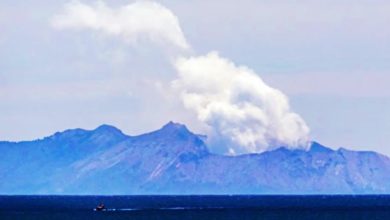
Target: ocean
point(196, 207)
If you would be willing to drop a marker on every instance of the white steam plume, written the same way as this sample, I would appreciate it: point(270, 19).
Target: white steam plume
point(246, 113)
point(131, 22)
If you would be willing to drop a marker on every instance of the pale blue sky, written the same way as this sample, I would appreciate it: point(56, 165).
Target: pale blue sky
point(332, 58)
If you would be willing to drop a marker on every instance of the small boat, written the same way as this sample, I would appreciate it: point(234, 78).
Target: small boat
point(100, 207)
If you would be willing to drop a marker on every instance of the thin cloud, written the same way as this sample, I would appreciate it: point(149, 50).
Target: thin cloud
point(132, 22)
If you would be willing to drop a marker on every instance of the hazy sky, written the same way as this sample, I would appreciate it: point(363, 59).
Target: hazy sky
point(331, 58)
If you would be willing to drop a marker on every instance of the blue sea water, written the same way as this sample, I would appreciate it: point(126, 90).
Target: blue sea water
point(196, 207)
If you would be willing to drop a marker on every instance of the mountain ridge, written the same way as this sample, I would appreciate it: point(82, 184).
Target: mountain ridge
point(173, 160)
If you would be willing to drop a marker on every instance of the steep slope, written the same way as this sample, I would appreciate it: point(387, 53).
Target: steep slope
point(29, 166)
point(139, 164)
point(172, 160)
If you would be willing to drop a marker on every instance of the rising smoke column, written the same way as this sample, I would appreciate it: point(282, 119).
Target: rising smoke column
point(241, 109)
point(244, 114)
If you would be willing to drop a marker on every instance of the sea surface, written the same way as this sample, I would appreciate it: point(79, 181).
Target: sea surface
point(196, 207)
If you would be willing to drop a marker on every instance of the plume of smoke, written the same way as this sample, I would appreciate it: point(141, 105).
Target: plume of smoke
point(244, 114)
point(243, 111)
point(131, 22)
